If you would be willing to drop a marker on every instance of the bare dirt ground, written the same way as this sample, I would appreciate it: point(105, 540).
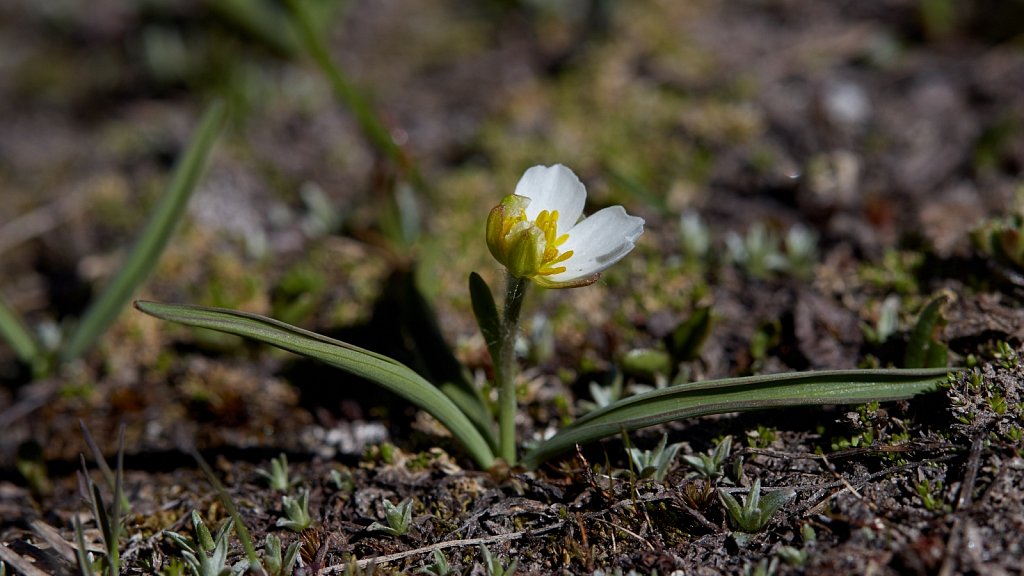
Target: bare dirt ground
point(866, 142)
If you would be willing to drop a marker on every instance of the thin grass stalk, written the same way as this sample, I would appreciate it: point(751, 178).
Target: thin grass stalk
point(81, 552)
point(346, 92)
point(151, 243)
point(14, 331)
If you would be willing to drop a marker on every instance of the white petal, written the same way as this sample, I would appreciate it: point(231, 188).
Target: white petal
point(598, 242)
point(554, 188)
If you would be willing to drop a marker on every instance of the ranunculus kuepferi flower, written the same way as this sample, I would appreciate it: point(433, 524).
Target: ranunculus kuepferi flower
point(540, 232)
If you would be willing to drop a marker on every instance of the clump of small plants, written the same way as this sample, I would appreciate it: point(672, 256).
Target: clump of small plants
point(398, 518)
point(756, 510)
point(987, 399)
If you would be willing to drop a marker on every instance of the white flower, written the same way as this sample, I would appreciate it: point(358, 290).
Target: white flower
point(540, 231)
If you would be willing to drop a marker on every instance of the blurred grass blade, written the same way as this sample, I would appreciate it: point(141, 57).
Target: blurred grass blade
point(390, 374)
point(688, 338)
point(259, 20)
point(922, 349)
point(18, 336)
point(97, 455)
point(146, 252)
point(369, 123)
point(737, 395)
point(81, 552)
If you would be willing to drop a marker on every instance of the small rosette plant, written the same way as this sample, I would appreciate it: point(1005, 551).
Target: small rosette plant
point(540, 235)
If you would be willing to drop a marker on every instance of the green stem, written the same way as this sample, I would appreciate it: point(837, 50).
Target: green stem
point(505, 369)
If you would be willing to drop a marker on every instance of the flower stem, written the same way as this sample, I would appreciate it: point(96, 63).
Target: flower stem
point(505, 370)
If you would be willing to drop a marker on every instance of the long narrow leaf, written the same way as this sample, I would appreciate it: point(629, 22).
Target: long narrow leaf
point(737, 395)
point(151, 243)
point(13, 330)
point(390, 374)
point(260, 21)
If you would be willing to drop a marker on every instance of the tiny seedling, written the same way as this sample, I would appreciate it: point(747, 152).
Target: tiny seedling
point(694, 237)
point(399, 518)
point(711, 465)
point(764, 567)
point(173, 567)
point(296, 511)
point(887, 323)
point(758, 253)
point(278, 476)
point(342, 481)
point(352, 567)
point(206, 555)
point(603, 395)
point(801, 251)
point(930, 494)
point(762, 437)
point(792, 556)
point(758, 509)
point(698, 493)
point(654, 463)
point(439, 567)
point(495, 566)
point(276, 563)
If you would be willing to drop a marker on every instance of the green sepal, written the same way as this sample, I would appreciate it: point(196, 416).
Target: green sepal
point(524, 250)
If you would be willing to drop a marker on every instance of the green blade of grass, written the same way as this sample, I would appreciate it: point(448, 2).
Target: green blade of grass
point(390, 374)
point(81, 552)
point(737, 395)
point(14, 331)
point(146, 252)
point(260, 21)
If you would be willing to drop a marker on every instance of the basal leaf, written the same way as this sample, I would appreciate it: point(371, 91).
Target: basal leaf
point(390, 374)
point(737, 395)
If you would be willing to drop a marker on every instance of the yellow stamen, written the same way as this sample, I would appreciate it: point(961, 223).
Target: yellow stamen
point(547, 223)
